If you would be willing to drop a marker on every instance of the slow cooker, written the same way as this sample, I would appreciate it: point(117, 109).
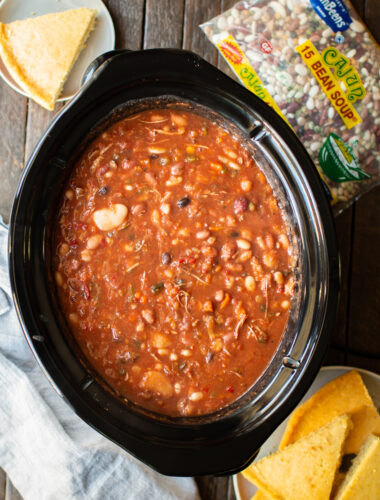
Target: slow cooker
point(226, 441)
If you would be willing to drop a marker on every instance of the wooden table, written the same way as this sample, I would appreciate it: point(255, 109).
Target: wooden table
point(142, 24)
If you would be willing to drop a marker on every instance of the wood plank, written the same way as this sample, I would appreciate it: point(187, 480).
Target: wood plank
point(13, 115)
point(344, 236)
point(231, 492)
point(10, 491)
point(38, 120)
point(163, 24)
point(3, 484)
point(372, 364)
point(359, 6)
point(364, 317)
point(215, 488)
point(128, 18)
point(222, 65)
point(335, 356)
point(372, 17)
point(369, 11)
point(196, 13)
point(364, 305)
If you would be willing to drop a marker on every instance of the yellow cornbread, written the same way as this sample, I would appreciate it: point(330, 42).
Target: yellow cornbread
point(346, 394)
point(362, 481)
point(305, 469)
point(40, 52)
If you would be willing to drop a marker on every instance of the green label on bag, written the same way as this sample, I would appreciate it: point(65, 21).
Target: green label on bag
point(338, 161)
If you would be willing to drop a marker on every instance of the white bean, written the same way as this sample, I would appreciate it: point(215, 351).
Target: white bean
point(94, 241)
point(156, 150)
point(243, 244)
point(186, 353)
point(110, 218)
point(163, 352)
point(174, 181)
point(202, 235)
point(86, 255)
point(246, 185)
point(161, 340)
point(196, 396)
point(279, 278)
point(250, 283)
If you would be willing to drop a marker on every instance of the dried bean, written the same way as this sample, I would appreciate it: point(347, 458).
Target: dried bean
point(228, 250)
point(183, 202)
point(285, 24)
point(240, 205)
point(166, 258)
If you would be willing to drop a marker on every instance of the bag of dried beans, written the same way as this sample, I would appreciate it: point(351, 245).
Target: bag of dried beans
point(318, 66)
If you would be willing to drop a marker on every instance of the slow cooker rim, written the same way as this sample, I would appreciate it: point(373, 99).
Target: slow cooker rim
point(30, 163)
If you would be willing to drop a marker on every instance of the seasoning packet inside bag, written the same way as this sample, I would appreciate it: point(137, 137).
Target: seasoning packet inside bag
point(318, 66)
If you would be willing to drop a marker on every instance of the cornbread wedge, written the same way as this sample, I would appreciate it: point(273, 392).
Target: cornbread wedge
point(362, 481)
point(346, 394)
point(305, 469)
point(40, 52)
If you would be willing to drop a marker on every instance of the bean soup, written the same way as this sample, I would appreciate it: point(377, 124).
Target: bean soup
point(173, 263)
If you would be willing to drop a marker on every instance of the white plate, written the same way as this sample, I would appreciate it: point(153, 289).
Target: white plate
point(101, 39)
point(244, 490)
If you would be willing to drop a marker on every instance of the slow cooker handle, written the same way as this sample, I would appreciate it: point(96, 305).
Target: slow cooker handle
point(96, 63)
